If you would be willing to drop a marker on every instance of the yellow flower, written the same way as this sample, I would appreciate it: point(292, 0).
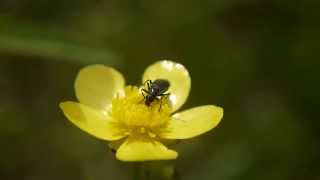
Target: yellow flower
point(111, 111)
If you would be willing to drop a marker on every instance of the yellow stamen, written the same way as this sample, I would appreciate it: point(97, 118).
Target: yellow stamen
point(152, 135)
point(142, 130)
point(130, 112)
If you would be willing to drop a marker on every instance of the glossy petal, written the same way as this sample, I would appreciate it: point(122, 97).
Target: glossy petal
point(96, 85)
point(92, 121)
point(144, 149)
point(193, 122)
point(178, 77)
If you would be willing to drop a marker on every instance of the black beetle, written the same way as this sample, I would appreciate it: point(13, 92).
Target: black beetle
point(155, 90)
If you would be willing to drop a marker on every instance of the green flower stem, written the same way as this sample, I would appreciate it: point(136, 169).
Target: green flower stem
point(154, 171)
point(138, 171)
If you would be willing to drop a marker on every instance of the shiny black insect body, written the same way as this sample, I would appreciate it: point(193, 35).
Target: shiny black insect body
point(155, 90)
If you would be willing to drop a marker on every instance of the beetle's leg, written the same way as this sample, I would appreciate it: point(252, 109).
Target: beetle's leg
point(164, 95)
point(160, 104)
point(148, 82)
point(144, 91)
point(144, 83)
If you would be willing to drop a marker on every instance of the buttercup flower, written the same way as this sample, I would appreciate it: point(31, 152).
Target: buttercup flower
point(111, 111)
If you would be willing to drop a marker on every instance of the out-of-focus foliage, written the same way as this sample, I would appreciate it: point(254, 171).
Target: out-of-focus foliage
point(257, 59)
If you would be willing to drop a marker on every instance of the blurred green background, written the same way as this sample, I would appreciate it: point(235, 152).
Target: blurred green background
point(258, 59)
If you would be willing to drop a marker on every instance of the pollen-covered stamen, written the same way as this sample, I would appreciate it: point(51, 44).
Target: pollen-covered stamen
point(131, 113)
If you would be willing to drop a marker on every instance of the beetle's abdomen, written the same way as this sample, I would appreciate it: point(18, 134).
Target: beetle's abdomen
point(160, 85)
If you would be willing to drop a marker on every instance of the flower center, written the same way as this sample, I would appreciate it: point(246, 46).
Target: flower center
point(130, 112)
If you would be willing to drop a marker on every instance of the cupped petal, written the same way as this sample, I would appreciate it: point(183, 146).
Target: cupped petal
point(192, 122)
point(144, 149)
point(96, 85)
point(96, 123)
point(176, 74)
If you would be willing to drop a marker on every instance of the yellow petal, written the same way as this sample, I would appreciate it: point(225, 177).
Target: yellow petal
point(96, 85)
point(96, 123)
point(192, 122)
point(178, 77)
point(144, 149)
